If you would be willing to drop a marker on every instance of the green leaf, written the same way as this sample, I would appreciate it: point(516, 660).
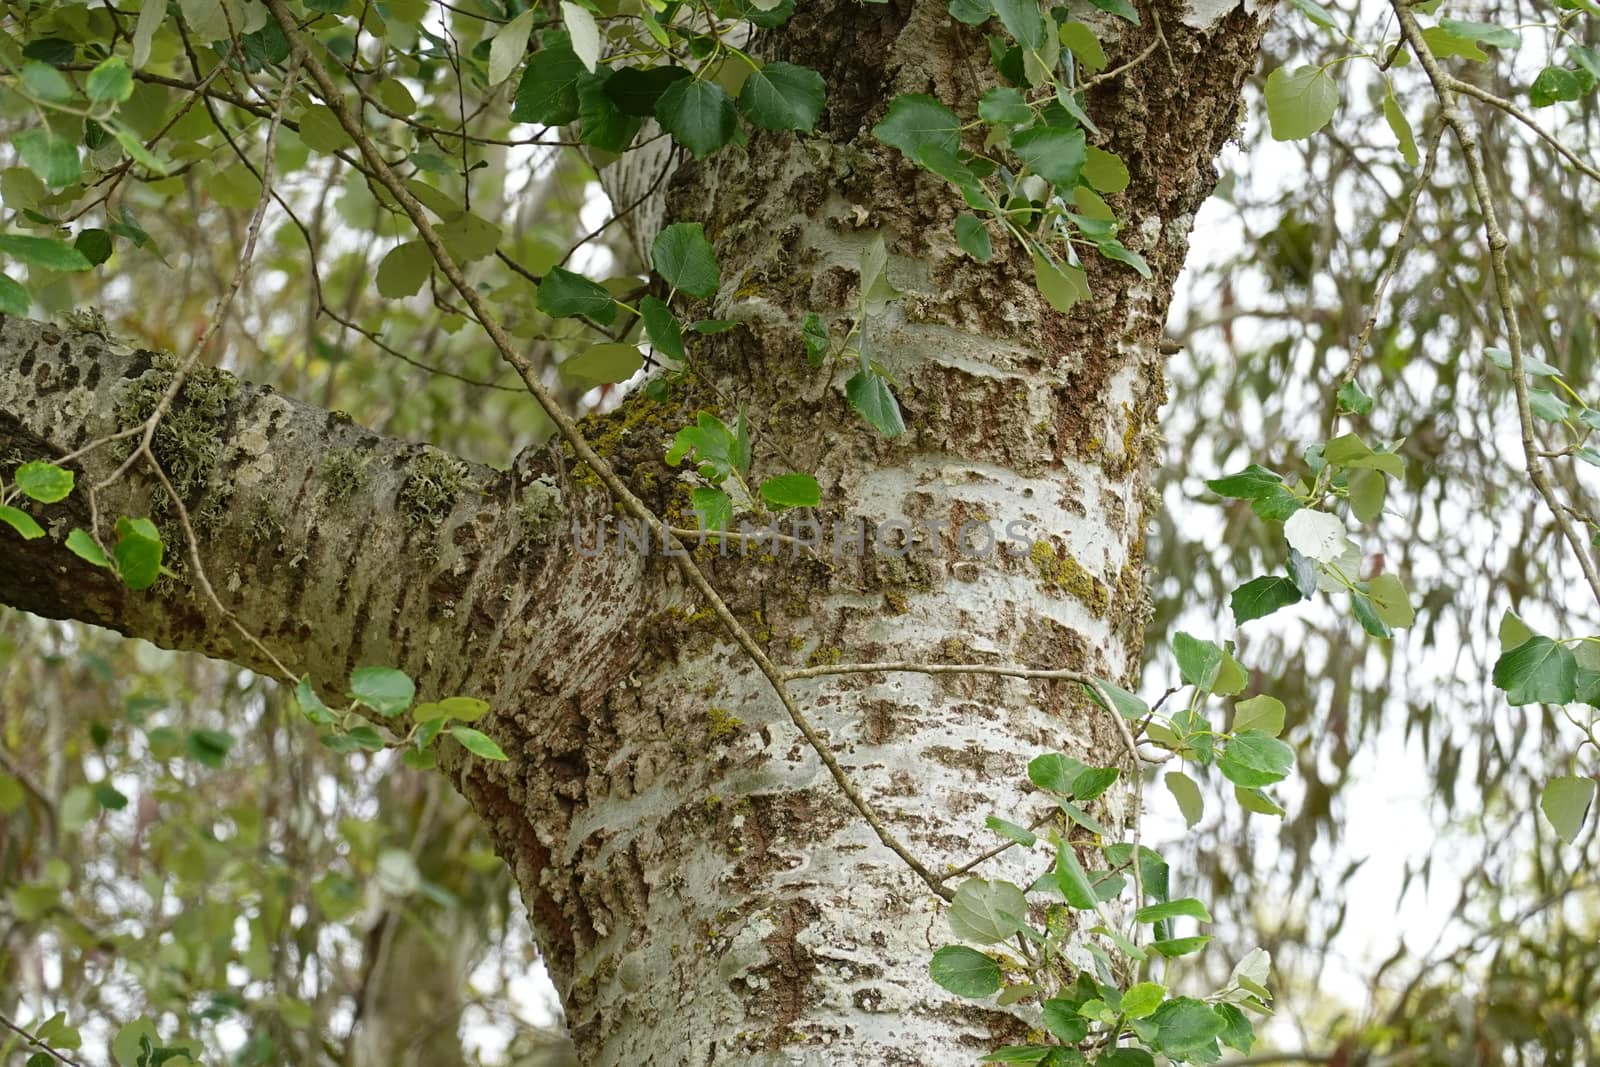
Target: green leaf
point(1315, 12)
point(14, 299)
point(682, 255)
point(1023, 21)
point(1261, 712)
point(1004, 105)
point(110, 81)
point(508, 46)
point(1072, 880)
point(46, 82)
point(1113, 249)
point(403, 269)
point(1260, 597)
point(477, 743)
point(383, 689)
point(1198, 660)
point(84, 547)
point(715, 450)
point(584, 33)
point(1237, 1033)
point(95, 244)
point(1368, 488)
point(971, 12)
point(21, 522)
point(209, 748)
point(1444, 44)
point(548, 91)
point(1396, 117)
point(603, 364)
point(1061, 1018)
point(44, 482)
point(45, 252)
point(458, 709)
point(1565, 802)
point(1361, 607)
point(1054, 772)
point(1085, 44)
point(1538, 671)
point(637, 90)
point(964, 971)
point(714, 507)
point(53, 158)
point(1354, 399)
point(1126, 704)
point(791, 491)
point(1185, 1025)
point(973, 237)
point(1062, 286)
point(311, 705)
point(1254, 800)
point(601, 123)
point(783, 96)
point(321, 130)
point(1185, 907)
point(1390, 602)
point(1487, 32)
point(1254, 758)
point(699, 116)
point(1556, 84)
point(1187, 793)
point(815, 334)
point(1547, 406)
point(1121, 8)
point(1053, 153)
point(1253, 483)
point(564, 294)
point(662, 327)
point(915, 120)
point(1532, 365)
point(1105, 171)
point(138, 552)
point(1300, 102)
point(869, 394)
point(987, 912)
point(1010, 830)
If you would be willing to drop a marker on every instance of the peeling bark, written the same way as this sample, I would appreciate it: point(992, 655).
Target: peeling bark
point(702, 891)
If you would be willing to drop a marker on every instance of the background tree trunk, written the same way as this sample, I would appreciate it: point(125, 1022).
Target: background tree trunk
point(703, 892)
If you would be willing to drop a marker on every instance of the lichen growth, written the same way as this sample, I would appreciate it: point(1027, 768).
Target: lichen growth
point(431, 490)
point(722, 723)
point(344, 474)
point(1061, 571)
point(825, 655)
point(897, 601)
point(188, 440)
point(539, 511)
point(264, 525)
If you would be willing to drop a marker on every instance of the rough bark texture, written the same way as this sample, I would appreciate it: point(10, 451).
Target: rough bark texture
point(703, 892)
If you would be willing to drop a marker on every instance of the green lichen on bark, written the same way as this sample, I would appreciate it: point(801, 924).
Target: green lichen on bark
point(344, 474)
point(1060, 571)
point(431, 490)
point(189, 438)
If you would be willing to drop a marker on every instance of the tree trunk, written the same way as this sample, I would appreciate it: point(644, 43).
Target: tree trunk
point(702, 890)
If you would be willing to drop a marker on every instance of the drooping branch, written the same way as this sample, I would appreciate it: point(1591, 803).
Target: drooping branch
point(336, 546)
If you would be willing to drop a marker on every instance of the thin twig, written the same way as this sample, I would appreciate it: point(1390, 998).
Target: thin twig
point(1358, 351)
point(1451, 114)
point(1478, 93)
point(36, 1043)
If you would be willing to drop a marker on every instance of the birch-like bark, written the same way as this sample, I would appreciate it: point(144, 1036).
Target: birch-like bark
point(702, 891)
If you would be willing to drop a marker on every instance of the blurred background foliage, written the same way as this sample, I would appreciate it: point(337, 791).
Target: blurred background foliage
point(174, 845)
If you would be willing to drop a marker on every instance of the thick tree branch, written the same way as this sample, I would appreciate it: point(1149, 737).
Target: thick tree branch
point(334, 545)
